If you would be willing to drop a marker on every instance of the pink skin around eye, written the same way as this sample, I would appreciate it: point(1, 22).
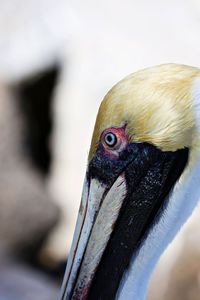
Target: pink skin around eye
point(122, 142)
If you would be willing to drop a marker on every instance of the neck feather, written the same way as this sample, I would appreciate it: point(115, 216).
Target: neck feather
point(179, 207)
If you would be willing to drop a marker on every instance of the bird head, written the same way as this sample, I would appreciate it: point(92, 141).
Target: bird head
point(144, 149)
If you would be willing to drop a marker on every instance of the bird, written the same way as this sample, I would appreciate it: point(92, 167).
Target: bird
point(141, 183)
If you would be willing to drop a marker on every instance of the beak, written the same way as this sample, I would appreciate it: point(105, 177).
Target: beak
point(116, 215)
point(99, 210)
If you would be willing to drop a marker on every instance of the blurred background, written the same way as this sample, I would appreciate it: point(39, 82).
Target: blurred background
point(57, 61)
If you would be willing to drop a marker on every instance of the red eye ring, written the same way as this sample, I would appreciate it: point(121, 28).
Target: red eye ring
point(114, 140)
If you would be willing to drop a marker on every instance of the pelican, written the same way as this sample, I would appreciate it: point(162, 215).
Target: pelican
point(141, 183)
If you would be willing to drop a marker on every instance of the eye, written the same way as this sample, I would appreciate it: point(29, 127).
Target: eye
point(110, 139)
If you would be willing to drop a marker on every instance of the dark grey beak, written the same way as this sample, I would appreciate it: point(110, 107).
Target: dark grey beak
point(115, 215)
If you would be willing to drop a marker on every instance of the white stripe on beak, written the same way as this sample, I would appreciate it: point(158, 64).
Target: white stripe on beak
point(91, 198)
point(97, 215)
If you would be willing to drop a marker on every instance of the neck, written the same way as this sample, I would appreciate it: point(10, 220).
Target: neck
point(179, 207)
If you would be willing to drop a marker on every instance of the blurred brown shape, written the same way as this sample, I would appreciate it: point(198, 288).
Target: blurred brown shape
point(27, 213)
point(184, 282)
point(20, 282)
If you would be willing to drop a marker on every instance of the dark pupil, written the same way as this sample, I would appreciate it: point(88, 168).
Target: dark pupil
point(110, 139)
